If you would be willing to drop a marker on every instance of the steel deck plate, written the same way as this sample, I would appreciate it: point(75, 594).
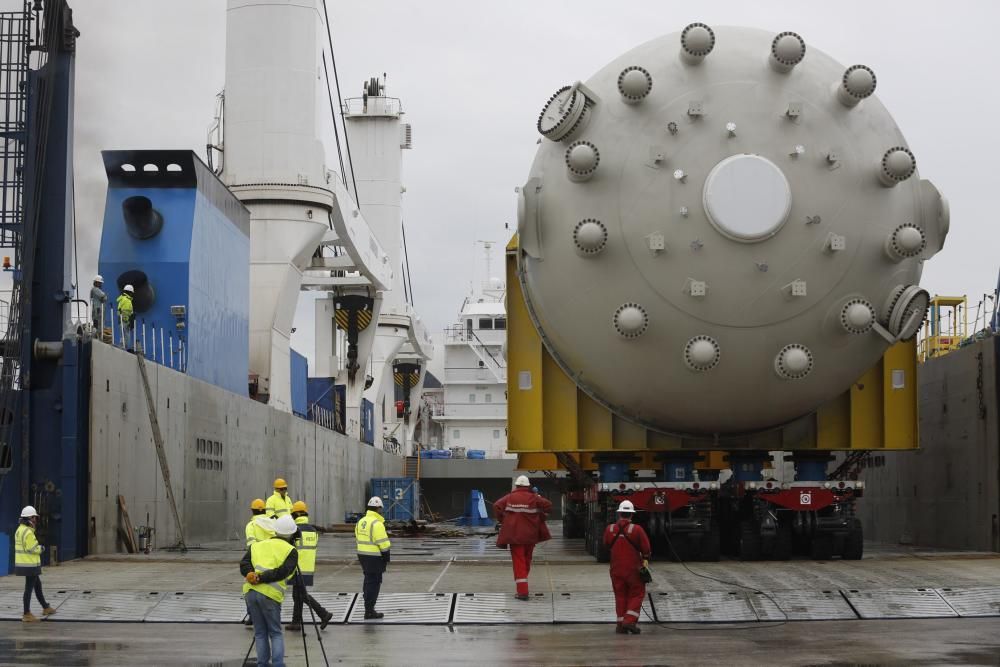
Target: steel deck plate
point(801, 606)
point(702, 607)
point(195, 607)
point(587, 608)
point(338, 604)
point(899, 603)
point(11, 607)
point(972, 601)
point(487, 608)
point(412, 608)
point(120, 607)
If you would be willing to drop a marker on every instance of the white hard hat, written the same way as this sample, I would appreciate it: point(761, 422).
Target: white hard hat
point(98, 278)
point(129, 289)
point(375, 501)
point(265, 523)
point(28, 512)
point(285, 526)
point(522, 481)
point(626, 506)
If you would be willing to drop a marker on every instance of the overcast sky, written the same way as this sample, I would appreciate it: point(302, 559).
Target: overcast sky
point(473, 75)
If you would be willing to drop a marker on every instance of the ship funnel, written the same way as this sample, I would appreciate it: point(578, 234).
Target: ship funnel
point(141, 220)
point(144, 296)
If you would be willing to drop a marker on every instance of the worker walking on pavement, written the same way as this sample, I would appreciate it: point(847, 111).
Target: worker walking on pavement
point(630, 551)
point(267, 565)
point(373, 552)
point(306, 543)
point(280, 503)
point(522, 514)
point(126, 314)
point(28, 563)
point(98, 301)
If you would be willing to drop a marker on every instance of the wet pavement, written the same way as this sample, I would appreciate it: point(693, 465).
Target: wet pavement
point(446, 584)
point(913, 642)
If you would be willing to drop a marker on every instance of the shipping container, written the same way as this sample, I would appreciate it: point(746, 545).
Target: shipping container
point(400, 497)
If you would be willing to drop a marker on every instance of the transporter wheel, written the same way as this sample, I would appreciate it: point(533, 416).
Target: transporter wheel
point(821, 547)
point(569, 525)
point(677, 546)
point(711, 545)
point(783, 543)
point(601, 552)
point(750, 542)
point(854, 543)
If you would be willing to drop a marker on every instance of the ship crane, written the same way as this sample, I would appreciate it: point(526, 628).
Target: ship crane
point(312, 228)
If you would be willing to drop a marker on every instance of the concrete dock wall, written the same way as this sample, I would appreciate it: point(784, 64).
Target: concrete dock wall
point(223, 450)
point(946, 494)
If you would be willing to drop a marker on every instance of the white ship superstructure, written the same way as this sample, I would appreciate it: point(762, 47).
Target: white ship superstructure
point(473, 404)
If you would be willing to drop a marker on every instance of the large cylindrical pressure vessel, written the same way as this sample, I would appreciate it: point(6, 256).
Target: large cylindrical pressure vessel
point(723, 229)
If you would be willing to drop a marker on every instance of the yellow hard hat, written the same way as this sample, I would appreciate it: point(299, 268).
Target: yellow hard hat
point(280, 484)
point(299, 506)
point(257, 504)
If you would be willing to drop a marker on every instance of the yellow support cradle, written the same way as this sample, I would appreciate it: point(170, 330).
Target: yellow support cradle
point(548, 413)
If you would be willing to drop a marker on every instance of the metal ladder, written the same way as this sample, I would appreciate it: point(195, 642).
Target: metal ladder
point(161, 453)
point(15, 43)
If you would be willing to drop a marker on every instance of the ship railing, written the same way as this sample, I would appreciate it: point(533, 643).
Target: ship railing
point(392, 445)
point(325, 417)
point(157, 343)
point(374, 106)
point(482, 410)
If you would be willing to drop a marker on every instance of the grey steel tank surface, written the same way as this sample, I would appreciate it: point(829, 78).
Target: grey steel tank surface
point(723, 229)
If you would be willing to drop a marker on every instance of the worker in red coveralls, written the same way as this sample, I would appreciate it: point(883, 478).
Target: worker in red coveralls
point(521, 514)
point(630, 551)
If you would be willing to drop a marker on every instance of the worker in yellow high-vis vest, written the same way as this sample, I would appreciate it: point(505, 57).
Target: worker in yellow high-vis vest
point(280, 503)
point(373, 552)
point(28, 563)
point(306, 543)
point(255, 533)
point(267, 565)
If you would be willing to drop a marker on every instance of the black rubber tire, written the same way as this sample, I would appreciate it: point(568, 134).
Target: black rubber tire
point(677, 546)
point(750, 542)
point(854, 543)
point(568, 526)
point(711, 545)
point(601, 552)
point(821, 547)
point(783, 542)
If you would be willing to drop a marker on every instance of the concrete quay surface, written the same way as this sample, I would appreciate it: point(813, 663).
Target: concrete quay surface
point(464, 565)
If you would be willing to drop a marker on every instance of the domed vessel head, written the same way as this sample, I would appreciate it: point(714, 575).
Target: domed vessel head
point(723, 229)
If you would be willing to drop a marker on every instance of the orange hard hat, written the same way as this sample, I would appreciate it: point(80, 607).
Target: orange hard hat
point(299, 506)
point(280, 484)
point(257, 504)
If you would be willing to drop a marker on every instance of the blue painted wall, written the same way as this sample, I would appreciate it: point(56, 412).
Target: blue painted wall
point(300, 378)
point(200, 259)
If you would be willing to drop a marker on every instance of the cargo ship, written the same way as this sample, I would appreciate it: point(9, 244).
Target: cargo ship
point(168, 423)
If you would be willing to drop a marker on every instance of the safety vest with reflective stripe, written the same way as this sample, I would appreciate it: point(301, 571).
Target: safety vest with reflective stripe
point(27, 551)
point(370, 535)
point(255, 533)
point(277, 506)
point(307, 544)
point(125, 309)
point(266, 556)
